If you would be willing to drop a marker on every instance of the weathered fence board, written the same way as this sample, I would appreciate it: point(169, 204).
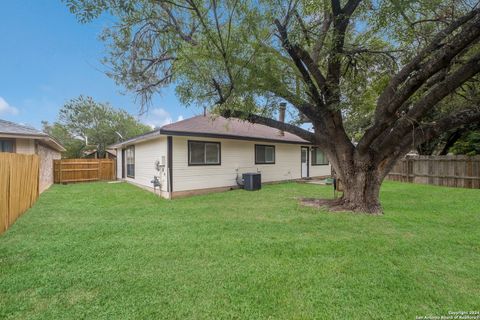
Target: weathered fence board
point(18, 186)
point(83, 170)
point(450, 171)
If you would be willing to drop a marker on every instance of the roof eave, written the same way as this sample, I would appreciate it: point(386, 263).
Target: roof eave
point(53, 144)
point(23, 135)
point(157, 133)
point(144, 137)
point(227, 136)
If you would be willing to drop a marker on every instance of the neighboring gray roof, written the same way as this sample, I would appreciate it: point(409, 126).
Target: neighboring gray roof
point(219, 127)
point(11, 129)
point(18, 129)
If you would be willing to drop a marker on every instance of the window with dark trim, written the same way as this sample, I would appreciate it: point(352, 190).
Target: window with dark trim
point(203, 153)
point(7, 145)
point(130, 157)
point(264, 154)
point(318, 157)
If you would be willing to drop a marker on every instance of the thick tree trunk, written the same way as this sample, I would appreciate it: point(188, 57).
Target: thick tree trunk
point(361, 192)
point(361, 180)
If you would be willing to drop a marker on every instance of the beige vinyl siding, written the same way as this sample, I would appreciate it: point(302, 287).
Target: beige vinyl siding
point(146, 154)
point(319, 171)
point(237, 156)
point(25, 146)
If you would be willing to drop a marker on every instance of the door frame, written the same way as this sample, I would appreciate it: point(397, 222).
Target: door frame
point(308, 161)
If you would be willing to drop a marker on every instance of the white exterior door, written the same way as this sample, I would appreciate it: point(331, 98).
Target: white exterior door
point(304, 157)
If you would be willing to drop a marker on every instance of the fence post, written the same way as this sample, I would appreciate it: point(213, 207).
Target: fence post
point(99, 164)
point(406, 170)
point(60, 164)
point(411, 170)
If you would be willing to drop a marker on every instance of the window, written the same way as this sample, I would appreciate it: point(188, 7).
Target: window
point(264, 154)
point(7, 145)
point(318, 157)
point(203, 153)
point(130, 157)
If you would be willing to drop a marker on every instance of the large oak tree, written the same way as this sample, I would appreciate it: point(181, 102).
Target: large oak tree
point(328, 59)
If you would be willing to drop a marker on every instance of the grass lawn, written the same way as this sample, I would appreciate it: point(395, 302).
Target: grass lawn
point(115, 251)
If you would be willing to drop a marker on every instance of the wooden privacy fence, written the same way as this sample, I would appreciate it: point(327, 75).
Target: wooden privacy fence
point(83, 170)
point(18, 186)
point(450, 171)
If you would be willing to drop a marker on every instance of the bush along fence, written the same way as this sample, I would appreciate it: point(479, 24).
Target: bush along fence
point(450, 171)
point(18, 186)
point(83, 170)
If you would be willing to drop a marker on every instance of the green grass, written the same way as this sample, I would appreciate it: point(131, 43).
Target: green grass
point(110, 251)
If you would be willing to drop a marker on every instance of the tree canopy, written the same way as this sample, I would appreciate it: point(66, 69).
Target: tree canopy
point(86, 124)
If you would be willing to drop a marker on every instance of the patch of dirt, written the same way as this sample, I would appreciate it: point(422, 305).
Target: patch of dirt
point(335, 205)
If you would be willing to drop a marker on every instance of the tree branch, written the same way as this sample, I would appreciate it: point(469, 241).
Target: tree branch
point(442, 20)
point(174, 23)
point(336, 7)
point(443, 88)
point(415, 74)
point(350, 7)
point(341, 20)
point(312, 67)
point(302, 27)
point(427, 102)
point(428, 131)
point(298, 63)
point(440, 54)
point(300, 104)
point(327, 21)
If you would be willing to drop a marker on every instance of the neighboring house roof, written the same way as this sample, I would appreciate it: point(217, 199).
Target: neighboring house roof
point(113, 152)
point(219, 127)
point(10, 129)
point(89, 152)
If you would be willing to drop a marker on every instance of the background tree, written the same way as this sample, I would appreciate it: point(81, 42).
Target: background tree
point(84, 123)
point(445, 142)
point(330, 60)
point(468, 143)
point(73, 145)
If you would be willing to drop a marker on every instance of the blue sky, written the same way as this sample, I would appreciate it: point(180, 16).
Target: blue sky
point(47, 58)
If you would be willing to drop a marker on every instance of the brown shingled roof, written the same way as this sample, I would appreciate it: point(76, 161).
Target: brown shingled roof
point(232, 128)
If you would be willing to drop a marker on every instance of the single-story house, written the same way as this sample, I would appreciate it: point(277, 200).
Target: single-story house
point(205, 154)
point(18, 138)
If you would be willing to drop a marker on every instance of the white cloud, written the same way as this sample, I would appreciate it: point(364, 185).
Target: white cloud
point(5, 108)
point(159, 112)
point(159, 117)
